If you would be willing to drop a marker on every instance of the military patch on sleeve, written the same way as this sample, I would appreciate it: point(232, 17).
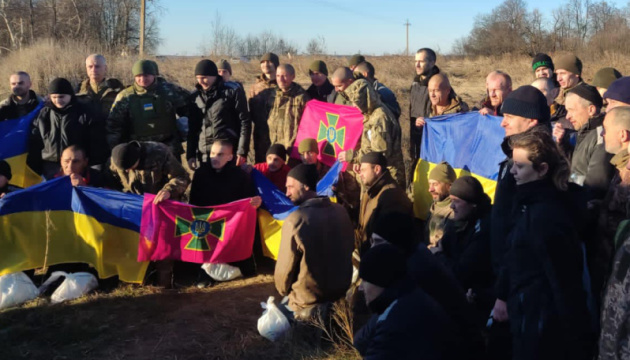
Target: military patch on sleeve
point(148, 107)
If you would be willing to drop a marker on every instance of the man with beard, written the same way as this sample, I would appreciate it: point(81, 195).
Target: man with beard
point(440, 180)
point(314, 266)
point(22, 100)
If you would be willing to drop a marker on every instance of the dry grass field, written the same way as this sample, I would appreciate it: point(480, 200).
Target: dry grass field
point(133, 322)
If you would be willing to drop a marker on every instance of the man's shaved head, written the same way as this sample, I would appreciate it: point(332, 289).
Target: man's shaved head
point(620, 117)
point(366, 69)
point(96, 57)
point(342, 74)
point(288, 68)
point(440, 79)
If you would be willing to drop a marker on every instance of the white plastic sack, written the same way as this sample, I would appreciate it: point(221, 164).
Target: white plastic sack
point(73, 287)
point(222, 272)
point(273, 324)
point(16, 289)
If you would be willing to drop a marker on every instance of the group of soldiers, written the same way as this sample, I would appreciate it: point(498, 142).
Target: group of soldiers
point(542, 260)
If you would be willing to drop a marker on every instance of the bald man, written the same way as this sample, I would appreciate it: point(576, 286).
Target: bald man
point(286, 113)
point(548, 87)
point(443, 99)
point(341, 79)
point(498, 87)
point(22, 100)
point(366, 71)
point(98, 93)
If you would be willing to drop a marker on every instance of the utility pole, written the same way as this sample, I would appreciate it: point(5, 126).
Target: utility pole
point(407, 24)
point(143, 5)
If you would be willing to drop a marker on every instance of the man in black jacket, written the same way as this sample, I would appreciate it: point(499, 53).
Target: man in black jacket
point(523, 110)
point(218, 111)
point(406, 322)
point(320, 87)
point(22, 100)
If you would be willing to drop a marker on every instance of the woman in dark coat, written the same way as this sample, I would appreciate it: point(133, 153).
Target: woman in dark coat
point(547, 303)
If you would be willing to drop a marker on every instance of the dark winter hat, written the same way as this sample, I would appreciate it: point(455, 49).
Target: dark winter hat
point(443, 172)
point(5, 169)
point(145, 67)
point(542, 60)
point(206, 68)
point(383, 265)
point(619, 90)
point(398, 229)
point(306, 174)
point(355, 60)
point(375, 158)
point(470, 190)
point(589, 93)
point(604, 77)
point(570, 63)
point(275, 60)
point(60, 86)
point(224, 65)
point(308, 144)
point(124, 156)
point(318, 66)
point(527, 102)
point(279, 150)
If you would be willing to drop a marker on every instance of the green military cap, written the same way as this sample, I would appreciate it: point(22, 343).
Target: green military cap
point(356, 59)
point(443, 172)
point(145, 67)
point(318, 66)
point(604, 77)
point(308, 144)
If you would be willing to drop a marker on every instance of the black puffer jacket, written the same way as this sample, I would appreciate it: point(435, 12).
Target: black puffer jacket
point(218, 113)
point(408, 324)
point(419, 106)
point(56, 129)
point(547, 303)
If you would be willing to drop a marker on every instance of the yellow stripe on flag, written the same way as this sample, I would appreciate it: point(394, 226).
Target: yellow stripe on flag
point(270, 233)
point(22, 175)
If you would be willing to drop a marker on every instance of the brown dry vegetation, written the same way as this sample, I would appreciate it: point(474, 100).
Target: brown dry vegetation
point(220, 322)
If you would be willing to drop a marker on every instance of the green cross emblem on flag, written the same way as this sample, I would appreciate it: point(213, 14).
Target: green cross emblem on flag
point(200, 227)
point(328, 132)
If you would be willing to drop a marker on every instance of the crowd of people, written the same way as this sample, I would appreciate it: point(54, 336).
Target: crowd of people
point(539, 272)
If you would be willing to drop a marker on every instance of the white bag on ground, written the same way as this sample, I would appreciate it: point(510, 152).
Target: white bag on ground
point(73, 287)
point(16, 289)
point(273, 324)
point(222, 272)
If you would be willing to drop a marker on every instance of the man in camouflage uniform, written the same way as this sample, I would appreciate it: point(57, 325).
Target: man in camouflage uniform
point(381, 132)
point(261, 98)
point(341, 79)
point(22, 100)
point(288, 106)
point(147, 110)
point(150, 167)
point(98, 93)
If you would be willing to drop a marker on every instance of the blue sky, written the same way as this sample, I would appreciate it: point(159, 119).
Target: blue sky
point(349, 26)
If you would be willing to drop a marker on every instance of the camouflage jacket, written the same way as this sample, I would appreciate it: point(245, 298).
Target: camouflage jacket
point(158, 170)
point(381, 131)
point(614, 340)
point(286, 114)
point(119, 124)
point(261, 98)
point(103, 99)
point(440, 214)
point(457, 105)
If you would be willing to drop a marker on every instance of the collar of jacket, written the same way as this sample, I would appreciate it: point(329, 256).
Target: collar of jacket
point(106, 84)
point(592, 123)
point(68, 108)
point(293, 90)
point(218, 83)
point(620, 160)
point(263, 78)
point(425, 81)
point(385, 179)
point(318, 201)
point(536, 191)
point(455, 102)
point(32, 97)
point(562, 96)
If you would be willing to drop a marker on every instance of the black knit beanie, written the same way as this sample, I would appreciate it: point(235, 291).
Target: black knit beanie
point(589, 93)
point(398, 229)
point(5, 169)
point(542, 60)
point(306, 174)
point(527, 102)
point(383, 265)
point(375, 158)
point(619, 90)
point(278, 150)
point(60, 86)
point(124, 156)
point(206, 68)
point(470, 190)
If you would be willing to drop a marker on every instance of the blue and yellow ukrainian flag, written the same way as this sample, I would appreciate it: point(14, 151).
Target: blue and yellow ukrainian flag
point(469, 142)
point(54, 223)
point(277, 206)
point(14, 137)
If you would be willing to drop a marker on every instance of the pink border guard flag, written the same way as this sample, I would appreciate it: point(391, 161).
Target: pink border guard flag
point(336, 128)
point(216, 234)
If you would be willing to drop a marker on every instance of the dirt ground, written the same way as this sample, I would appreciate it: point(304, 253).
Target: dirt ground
point(134, 322)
